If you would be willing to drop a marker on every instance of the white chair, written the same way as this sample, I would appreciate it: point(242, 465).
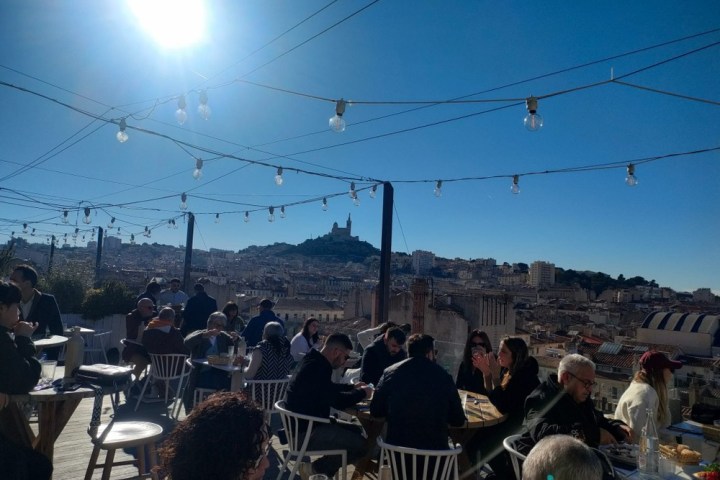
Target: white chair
point(96, 346)
point(407, 462)
point(510, 444)
point(167, 368)
point(267, 392)
point(298, 440)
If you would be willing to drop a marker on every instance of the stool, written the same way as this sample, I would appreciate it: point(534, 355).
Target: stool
point(141, 435)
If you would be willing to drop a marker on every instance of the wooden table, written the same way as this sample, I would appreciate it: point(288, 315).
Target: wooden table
point(235, 372)
point(479, 411)
point(83, 331)
point(51, 341)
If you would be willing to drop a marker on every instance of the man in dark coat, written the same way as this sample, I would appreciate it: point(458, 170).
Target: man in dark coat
point(383, 352)
point(254, 329)
point(152, 290)
point(197, 310)
point(38, 307)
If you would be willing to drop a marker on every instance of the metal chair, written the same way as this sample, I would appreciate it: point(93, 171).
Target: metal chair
point(298, 440)
point(200, 393)
point(267, 392)
point(510, 444)
point(97, 345)
point(167, 368)
point(407, 462)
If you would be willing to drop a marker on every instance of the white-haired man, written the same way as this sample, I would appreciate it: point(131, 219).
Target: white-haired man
point(562, 457)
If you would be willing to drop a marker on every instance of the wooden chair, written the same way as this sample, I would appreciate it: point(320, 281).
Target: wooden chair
point(167, 368)
point(407, 462)
point(510, 444)
point(298, 441)
point(268, 392)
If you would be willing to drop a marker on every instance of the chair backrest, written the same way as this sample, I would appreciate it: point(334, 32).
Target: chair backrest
point(510, 444)
point(298, 427)
point(407, 462)
point(168, 366)
point(267, 392)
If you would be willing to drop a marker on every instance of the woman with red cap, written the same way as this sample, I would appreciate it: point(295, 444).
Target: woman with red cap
point(648, 390)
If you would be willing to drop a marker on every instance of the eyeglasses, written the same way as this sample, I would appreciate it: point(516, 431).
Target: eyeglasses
point(264, 453)
point(480, 343)
point(586, 383)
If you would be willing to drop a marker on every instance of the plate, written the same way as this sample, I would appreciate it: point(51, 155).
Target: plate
point(622, 454)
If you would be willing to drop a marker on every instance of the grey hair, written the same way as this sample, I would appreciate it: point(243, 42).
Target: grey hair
point(563, 457)
point(167, 313)
point(272, 329)
point(574, 362)
point(217, 317)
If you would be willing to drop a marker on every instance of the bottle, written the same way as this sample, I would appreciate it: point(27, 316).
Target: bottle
point(241, 346)
point(385, 473)
point(648, 455)
point(74, 352)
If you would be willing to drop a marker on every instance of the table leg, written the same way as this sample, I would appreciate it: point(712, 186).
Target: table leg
point(52, 418)
point(365, 464)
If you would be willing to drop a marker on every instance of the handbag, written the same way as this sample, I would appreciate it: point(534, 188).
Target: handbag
point(104, 375)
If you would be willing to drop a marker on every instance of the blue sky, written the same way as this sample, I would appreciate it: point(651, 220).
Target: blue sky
point(94, 57)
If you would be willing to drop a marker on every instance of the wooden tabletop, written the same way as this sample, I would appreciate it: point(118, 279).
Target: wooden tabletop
point(83, 331)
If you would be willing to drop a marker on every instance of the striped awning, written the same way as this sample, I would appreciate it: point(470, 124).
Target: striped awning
point(682, 322)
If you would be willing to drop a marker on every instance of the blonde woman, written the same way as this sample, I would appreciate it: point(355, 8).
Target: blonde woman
point(648, 389)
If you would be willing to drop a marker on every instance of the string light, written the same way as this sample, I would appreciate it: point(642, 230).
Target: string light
point(438, 189)
point(65, 239)
point(373, 191)
point(118, 232)
point(121, 136)
point(282, 211)
point(183, 201)
point(112, 223)
point(217, 218)
point(146, 233)
point(631, 180)
point(132, 239)
point(65, 217)
point(533, 120)
point(279, 177)
point(181, 113)
point(83, 237)
point(75, 234)
point(271, 214)
point(324, 204)
point(247, 217)
point(352, 192)
point(204, 109)
point(32, 234)
point(515, 187)
point(25, 230)
point(92, 235)
point(87, 218)
point(337, 123)
point(170, 224)
point(197, 173)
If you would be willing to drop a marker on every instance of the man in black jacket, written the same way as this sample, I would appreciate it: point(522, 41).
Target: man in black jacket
point(383, 352)
point(197, 310)
point(312, 392)
point(418, 398)
point(562, 405)
point(38, 307)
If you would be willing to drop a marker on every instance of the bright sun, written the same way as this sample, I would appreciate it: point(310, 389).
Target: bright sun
point(171, 23)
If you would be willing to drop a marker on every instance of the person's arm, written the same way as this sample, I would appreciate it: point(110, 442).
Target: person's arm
point(370, 370)
point(132, 323)
point(456, 412)
point(255, 362)
point(54, 320)
point(542, 418)
point(196, 344)
point(297, 347)
point(379, 402)
point(19, 369)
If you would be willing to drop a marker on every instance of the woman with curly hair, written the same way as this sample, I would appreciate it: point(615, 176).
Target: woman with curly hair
point(307, 339)
point(198, 448)
point(469, 377)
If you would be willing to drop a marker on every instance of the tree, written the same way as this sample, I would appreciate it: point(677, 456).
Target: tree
point(69, 291)
point(111, 298)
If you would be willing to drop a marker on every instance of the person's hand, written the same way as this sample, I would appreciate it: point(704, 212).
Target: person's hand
point(492, 363)
point(606, 438)
point(4, 400)
point(360, 384)
point(481, 363)
point(626, 431)
point(368, 390)
point(234, 335)
point(239, 360)
point(24, 329)
point(214, 332)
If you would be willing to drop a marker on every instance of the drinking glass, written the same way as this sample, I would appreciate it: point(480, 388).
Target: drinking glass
point(47, 374)
point(319, 476)
point(463, 397)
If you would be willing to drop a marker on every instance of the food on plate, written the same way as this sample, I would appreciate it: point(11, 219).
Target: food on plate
point(711, 472)
point(680, 447)
point(681, 453)
point(690, 456)
point(622, 450)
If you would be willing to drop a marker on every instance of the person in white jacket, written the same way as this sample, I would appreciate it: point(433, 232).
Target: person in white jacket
point(306, 339)
point(648, 390)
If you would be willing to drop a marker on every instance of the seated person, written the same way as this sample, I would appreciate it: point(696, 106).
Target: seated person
point(469, 377)
point(561, 457)
point(213, 340)
point(312, 392)
point(19, 373)
point(271, 359)
point(135, 322)
point(190, 453)
point(162, 337)
point(383, 352)
point(306, 339)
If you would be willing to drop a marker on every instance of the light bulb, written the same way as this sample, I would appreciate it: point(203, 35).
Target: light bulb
point(282, 211)
point(181, 113)
point(337, 123)
point(183, 201)
point(132, 239)
point(438, 189)
point(169, 224)
point(278, 177)
point(356, 200)
point(25, 230)
point(271, 214)
point(197, 173)
point(533, 120)
point(373, 191)
point(217, 218)
point(247, 217)
point(87, 216)
point(204, 109)
point(631, 180)
point(65, 217)
point(112, 223)
point(121, 136)
point(515, 187)
point(75, 234)
point(32, 234)
point(324, 204)
point(351, 192)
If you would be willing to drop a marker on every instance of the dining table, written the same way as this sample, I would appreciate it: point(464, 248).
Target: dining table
point(479, 413)
point(234, 371)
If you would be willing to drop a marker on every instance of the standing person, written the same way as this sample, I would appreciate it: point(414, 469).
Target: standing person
point(271, 359)
point(235, 323)
point(173, 295)
point(197, 310)
point(513, 378)
point(469, 377)
point(253, 331)
point(648, 389)
point(19, 373)
point(38, 307)
point(135, 323)
point(383, 352)
point(152, 290)
point(306, 339)
point(312, 392)
point(418, 411)
point(366, 337)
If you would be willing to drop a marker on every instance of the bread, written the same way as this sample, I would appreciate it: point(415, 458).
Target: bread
point(679, 448)
point(690, 456)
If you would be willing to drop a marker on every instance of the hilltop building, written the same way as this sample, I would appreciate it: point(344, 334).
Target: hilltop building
point(422, 262)
point(542, 274)
point(340, 233)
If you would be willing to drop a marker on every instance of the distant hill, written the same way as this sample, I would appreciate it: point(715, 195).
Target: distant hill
point(325, 247)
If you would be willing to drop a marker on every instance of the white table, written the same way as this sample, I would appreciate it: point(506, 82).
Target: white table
point(235, 372)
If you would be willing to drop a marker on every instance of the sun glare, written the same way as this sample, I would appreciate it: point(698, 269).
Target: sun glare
point(171, 23)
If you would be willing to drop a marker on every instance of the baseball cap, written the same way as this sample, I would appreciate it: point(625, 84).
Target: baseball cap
point(658, 361)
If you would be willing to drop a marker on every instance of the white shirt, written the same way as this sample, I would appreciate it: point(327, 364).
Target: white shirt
point(633, 404)
point(25, 308)
point(299, 347)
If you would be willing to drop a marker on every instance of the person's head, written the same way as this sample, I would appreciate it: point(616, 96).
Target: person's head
point(387, 326)
point(167, 315)
point(153, 288)
point(337, 349)
point(9, 299)
point(477, 339)
point(406, 328)
point(265, 304)
point(216, 321)
point(310, 328)
point(199, 288)
point(231, 310)
point(577, 376)
point(656, 369)
point(175, 285)
point(512, 353)
point(394, 339)
point(272, 330)
point(421, 345)
point(145, 307)
point(25, 277)
point(561, 457)
point(203, 435)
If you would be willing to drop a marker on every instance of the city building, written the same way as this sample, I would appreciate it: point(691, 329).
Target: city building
point(422, 262)
point(542, 274)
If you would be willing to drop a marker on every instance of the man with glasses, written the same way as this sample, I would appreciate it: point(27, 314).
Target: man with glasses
point(563, 405)
point(135, 323)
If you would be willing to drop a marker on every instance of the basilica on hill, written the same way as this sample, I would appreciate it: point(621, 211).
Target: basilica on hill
point(342, 234)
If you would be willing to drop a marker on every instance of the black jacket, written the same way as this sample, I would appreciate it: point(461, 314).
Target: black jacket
point(419, 399)
point(196, 313)
point(46, 313)
point(376, 359)
point(19, 369)
point(470, 378)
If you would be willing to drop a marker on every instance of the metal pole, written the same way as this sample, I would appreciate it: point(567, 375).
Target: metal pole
point(383, 291)
point(188, 251)
point(98, 257)
point(52, 254)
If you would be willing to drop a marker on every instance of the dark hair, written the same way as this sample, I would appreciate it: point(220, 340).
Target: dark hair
point(518, 349)
point(396, 334)
point(199, 287)
point(175, 280)
point(387, 326)
point(9, 293)
point(467, 353)
point(153, 287)
point(204, 435)
point(420, 345)
point(28, 273)
point(339, 340)
point(230, 306)
point(266, 304)
point(311, 340)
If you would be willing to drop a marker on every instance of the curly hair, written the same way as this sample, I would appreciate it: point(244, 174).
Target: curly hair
point(225, 426)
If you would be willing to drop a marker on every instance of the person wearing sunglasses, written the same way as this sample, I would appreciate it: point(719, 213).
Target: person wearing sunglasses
point(469, 377)
point(563, 404)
